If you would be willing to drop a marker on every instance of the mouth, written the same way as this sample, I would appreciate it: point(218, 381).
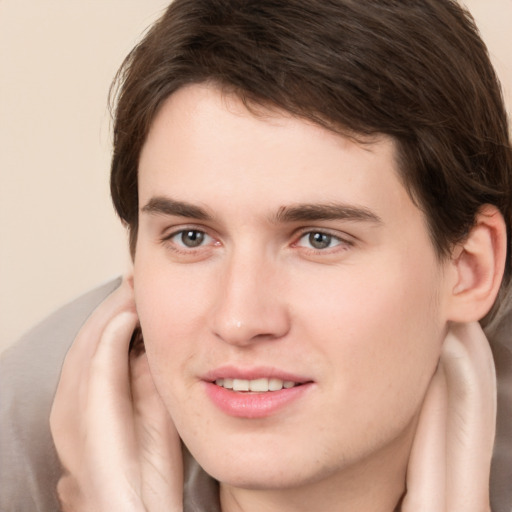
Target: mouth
point(255, 393)
point(260, 385)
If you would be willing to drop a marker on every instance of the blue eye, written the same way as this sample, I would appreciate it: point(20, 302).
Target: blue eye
point(319, 240)
point(190, 238)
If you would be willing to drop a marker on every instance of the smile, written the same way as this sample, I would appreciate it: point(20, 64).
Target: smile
point(262, 385)
point(246, 394)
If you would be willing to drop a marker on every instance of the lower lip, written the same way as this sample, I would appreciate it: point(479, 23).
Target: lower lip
point(253, 405)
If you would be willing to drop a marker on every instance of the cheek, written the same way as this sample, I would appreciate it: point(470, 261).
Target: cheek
point(380, 335)
point(171, 306)
point(168, 312)
point(163, 292)
point(166, 309)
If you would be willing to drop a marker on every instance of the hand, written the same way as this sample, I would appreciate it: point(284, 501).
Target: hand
point(114, 437)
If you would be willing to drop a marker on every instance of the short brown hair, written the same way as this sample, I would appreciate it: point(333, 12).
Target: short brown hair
point(416, 70)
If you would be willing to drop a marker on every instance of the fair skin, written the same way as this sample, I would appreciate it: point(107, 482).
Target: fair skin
point(271, 248)
point(256, 300)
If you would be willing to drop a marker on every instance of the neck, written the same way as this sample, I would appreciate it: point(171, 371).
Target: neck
point(375, 484)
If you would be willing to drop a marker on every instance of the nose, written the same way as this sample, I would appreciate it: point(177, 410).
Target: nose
point(250, 306)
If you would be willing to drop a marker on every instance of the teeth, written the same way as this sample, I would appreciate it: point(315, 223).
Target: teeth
point(240, 385)
point(260, 385)
point(256, 385)
point(275, 384)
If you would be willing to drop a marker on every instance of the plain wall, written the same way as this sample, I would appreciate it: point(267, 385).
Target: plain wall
point(59, 235)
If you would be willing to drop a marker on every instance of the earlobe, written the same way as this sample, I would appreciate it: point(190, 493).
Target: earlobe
point(478, 263)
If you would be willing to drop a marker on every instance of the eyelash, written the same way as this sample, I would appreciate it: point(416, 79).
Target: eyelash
point(341, 243)
point(181, 247)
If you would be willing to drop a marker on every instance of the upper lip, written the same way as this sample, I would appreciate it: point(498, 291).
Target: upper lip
point(235, 372)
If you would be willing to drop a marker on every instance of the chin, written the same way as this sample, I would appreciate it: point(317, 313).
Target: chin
point(263, 478)
point(264, 469)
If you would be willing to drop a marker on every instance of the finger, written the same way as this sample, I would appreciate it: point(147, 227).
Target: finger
point(471, 377)
point(76, 363)
point(426, 472)
point(88, 338)
point(111, 445)
point(72, 392)
point(105, 465)
point(73, 499)
point(111, 439)
point(160, 446)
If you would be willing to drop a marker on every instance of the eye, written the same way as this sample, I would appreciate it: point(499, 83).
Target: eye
point(319, 240)
point(190, 238)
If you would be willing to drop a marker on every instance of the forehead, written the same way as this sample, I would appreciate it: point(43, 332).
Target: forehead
point(207, 148)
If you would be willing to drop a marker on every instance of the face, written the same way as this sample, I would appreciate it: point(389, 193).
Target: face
point(290, 298)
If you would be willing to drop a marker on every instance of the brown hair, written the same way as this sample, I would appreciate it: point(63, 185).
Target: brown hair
point(415, 70)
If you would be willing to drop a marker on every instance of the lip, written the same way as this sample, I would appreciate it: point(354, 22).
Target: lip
point(253, 405)
point(234, 372)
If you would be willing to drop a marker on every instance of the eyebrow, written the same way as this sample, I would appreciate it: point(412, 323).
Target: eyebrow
point(161, 205)
point(328, 211)
point(166, 206)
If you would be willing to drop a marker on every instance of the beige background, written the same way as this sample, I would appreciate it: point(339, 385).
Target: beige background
point(58, 233)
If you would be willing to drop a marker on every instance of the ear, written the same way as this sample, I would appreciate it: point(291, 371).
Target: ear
point(478, 264)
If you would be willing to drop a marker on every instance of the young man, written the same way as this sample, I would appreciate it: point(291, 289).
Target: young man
point(318, 200)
